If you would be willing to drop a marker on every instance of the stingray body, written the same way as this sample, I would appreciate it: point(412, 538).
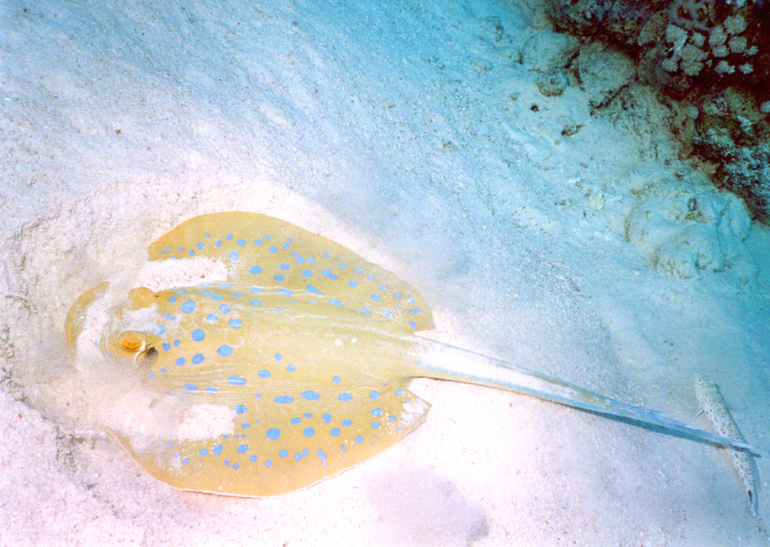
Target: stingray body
point(294, 369)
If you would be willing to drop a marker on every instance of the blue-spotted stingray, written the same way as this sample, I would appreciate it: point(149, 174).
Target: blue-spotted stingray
point(294, 369)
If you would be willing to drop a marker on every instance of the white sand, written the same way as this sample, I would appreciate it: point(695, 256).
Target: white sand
point(410, 135)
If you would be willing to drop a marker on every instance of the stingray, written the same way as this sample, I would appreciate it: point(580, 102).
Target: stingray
point(295, 368)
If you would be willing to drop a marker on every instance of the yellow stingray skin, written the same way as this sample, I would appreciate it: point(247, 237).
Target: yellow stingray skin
point(310, 383)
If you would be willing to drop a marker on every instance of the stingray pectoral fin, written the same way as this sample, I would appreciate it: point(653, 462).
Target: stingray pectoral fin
point(260, 252)
point(449, 363)
point(76, 317)
point(275, 454)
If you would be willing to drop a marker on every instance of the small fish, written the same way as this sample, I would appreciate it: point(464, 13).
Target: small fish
point(713, 406)
point(294, 369)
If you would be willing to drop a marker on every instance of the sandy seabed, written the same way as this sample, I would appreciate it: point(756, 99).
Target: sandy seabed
point(543, 230)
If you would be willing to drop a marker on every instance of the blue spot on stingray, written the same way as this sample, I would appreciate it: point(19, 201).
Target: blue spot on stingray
point(236, 380)
point(366, 310)
point(225, 350)
point(234, 255)
point(310, 395)
point(291, 368)
point(326, 418)
point(203, 451)
point(263, 373)
point(307, 273)
point(284, 292)
point(252, 458)
point(188, 306)
point(255, 270)
point(295, 421)
point(191, 387)
point(241, 242)
point(176, 343)
point(374, 394)
point(399, 392)
point(199, 245)
point(359, 439)
point(345, 397)
point(278, 356)
point(335, 302)
point(308, 432)
point(218, 243)
point(297, 456)
point(186, 460)
point(357, 270)
point(311, 288)
point(307, 415)
point(353, 283)
point(273, 250)
point(166, 346)
point(160, 329)
point(284, 266)
point(342, 266)
point(217, 450)
point(229, 237)
point(322, 456)
point(197, 359)
point(258, 242)
point(329, 274)
point(198, 335)
point(224, 308)
point(211, 390)
point(336, 379)
point(334, 432)
point(347, 423)
point(376, 412)
point(375, 297)
point(375, 425)
point(256, 290)
point(242, 449)
point(397, 296)
point(235, 323)
point(211, 317)
point(273, 433)
point(284, 399)
point(246, 425)
point(256, 302)
point(278, 277)
point(268, 463)
point(391, 418)
point(282, 453)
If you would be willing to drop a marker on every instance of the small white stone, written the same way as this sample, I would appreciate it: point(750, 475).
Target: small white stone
point(735, 24)
point(723, 67)
point(720, 51)
point(717, 37)
point(737, 44)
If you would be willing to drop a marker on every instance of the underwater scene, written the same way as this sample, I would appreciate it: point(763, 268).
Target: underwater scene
point(490, 273)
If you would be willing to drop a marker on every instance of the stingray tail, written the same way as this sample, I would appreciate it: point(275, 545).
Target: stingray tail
point(446, 362)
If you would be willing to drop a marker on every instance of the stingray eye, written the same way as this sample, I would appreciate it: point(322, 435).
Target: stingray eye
point(131, 341)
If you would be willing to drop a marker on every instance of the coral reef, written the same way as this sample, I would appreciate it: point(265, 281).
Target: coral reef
point(706, 56)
